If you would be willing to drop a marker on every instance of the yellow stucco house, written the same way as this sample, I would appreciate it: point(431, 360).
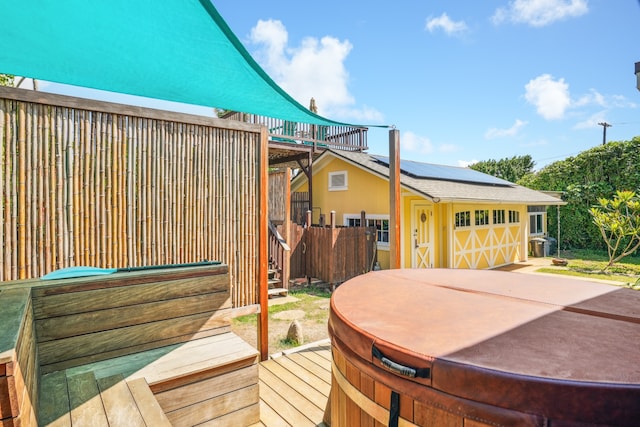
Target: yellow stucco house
point(451, 217)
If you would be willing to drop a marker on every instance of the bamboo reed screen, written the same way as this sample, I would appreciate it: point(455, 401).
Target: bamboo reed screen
point(82, 186)
point(278, 196)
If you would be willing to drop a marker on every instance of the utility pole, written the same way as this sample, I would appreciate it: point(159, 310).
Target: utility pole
point(604, 125)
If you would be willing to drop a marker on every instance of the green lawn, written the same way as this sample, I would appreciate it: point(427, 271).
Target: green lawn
point(589, 263)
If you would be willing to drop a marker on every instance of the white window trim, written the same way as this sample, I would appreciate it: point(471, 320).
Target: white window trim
point(384, 246)
point(339, 188)
point(493, 216)
point(542, 214)
point(474, 218)
point(509, 216)
point(463, 227)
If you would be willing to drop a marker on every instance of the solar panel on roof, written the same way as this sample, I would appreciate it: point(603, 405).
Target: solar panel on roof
point(447, 173)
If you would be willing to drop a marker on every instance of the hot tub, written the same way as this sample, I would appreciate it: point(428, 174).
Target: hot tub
point(443, 347)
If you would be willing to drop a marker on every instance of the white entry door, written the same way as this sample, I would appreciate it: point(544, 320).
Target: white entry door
point(422, 235)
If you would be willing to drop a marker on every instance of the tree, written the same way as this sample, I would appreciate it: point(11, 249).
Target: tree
point(6, 80)
point(592, 174)
point(619, 222)
point(508, 169)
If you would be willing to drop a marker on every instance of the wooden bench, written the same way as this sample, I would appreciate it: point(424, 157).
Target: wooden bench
point(142, 348)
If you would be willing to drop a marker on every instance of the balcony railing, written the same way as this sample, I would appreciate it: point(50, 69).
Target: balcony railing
point(347, 138)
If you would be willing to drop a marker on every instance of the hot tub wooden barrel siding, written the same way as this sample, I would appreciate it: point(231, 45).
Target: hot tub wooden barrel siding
point(493, 348)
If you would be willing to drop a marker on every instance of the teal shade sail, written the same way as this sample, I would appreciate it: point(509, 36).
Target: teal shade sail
point(175, 50)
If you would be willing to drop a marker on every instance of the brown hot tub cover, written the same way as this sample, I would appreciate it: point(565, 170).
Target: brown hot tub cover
point(495, 347)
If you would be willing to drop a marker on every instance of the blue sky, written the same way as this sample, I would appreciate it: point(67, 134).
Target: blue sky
point(463, 81)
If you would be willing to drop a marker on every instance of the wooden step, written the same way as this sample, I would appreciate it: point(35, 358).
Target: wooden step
point(150, 409)
point(278, 291)
point(118, 402)
point(83, 399)
point(185, 384)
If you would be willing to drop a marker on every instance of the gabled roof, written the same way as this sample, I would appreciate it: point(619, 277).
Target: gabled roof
point(442, 183)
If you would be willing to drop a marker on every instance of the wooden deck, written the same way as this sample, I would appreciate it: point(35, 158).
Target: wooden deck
point(294, 388)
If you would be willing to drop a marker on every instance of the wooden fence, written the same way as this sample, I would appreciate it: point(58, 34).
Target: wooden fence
point(331, 254)
point(98, 184)
point(299, 206)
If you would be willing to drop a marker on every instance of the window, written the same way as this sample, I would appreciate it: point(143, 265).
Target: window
point(514, 217)
point(536, 223)
point(379, 222)
point(338, 181)
point(353, 222)
point(498, 216)
point(482, 217)
point(382, 229)
point(463, 219)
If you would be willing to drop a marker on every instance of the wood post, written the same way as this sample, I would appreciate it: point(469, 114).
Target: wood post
point(286, 229)
point(394, 199)
point(310, 180)
point(332, 248)
point(263, 236)
point(286, 225)
point(307, 242)
point(366, 243)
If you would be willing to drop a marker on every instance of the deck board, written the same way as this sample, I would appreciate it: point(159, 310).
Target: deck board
point(301, 376)
point(294, 387)
point(310, 393)
point(322, 372)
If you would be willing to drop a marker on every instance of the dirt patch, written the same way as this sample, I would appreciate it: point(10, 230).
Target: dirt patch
point(289, 315)
point(308, 305)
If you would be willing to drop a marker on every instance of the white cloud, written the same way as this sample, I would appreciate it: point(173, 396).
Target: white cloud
point(593, 97)
point(414, 143)
point(538, 13)
point(273, 36)
point(550, 97)
point(466, 163)
point(411, 142)
point(596, 98)
point(591, 121)
point(552, 100)
point(500, 133)
point(314, 69)
point(619, 101)
point(364, 114)
point(444, 23)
